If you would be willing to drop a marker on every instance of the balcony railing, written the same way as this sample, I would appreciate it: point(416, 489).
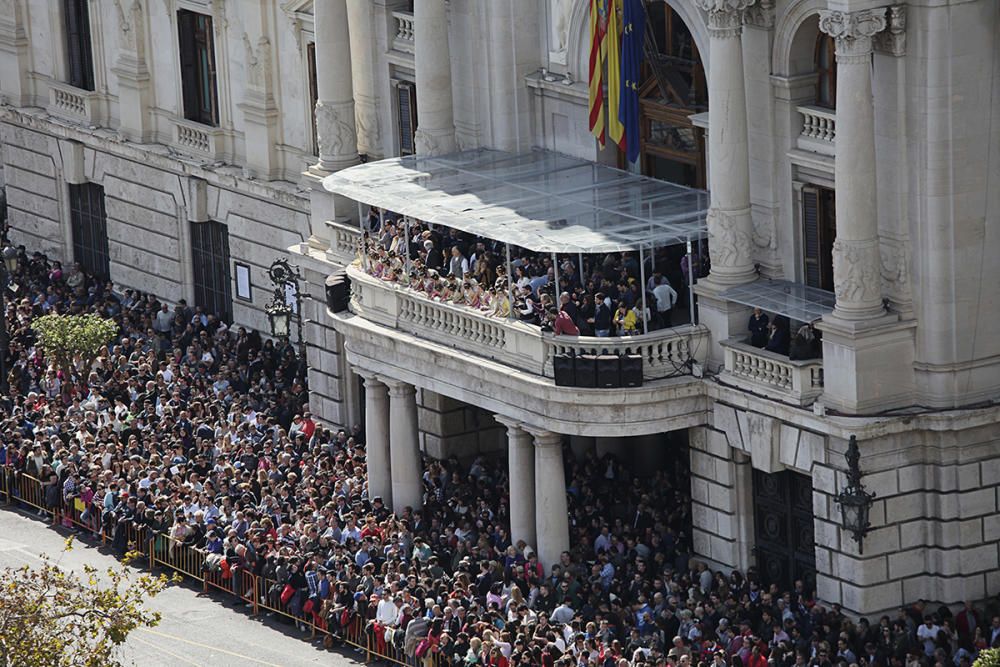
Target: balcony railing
point(344, 239)
point(665, 353)
point(403, 39)
point(775, 375)
point(819, 130)
point(202, 140)
point(71, 103)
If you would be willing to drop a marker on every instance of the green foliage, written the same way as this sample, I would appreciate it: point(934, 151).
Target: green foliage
point(988, 658)
point(55, 618)
point(73, 341)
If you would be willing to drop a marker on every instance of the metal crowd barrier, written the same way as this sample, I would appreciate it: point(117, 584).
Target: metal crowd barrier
point(160, 550)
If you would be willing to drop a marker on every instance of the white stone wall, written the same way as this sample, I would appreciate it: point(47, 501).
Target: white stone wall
point(148, 200)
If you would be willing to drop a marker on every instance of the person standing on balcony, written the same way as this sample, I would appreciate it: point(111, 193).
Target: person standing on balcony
point(666, 297)
point(434, 258)
point(458, 265)
point(602, 316)
point(758, 328)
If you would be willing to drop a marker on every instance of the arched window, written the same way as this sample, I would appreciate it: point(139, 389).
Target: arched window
point(826, 72)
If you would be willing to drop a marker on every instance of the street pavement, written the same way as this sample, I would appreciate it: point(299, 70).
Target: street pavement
point(196, 629)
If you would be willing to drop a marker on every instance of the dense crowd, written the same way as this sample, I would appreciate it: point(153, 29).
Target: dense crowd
point(597, 296)
point(202, 434)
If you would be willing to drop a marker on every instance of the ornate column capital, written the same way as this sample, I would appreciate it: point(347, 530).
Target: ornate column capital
point(853, 32)
point(725, 17)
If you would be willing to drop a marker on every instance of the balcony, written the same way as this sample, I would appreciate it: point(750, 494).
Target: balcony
point(73, 104)
point(819, 130)
point(774, 375)
point(344, 240)
point(665, 353)
point(200, 140)
point(403, 37)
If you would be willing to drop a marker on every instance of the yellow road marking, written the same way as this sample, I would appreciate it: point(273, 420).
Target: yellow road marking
point(208, 646)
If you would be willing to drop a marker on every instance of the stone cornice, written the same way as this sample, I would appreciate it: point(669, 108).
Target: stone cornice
point(853, 32)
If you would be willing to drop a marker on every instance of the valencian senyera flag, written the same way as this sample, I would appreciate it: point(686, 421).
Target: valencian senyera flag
point(633, 34)
point(598, 32)
point(616, 130)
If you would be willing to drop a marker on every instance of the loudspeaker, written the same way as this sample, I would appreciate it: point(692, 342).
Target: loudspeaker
point(564, 370)
point(586, 371)
point(631, 370)
point(338, 292)
point(608, 371)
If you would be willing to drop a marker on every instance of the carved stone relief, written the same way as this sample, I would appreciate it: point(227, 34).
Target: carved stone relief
point(856, 275)
point(335, 129)
point(728, 243)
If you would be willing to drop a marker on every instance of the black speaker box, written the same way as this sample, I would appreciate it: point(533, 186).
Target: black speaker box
point(608, 371)
point(586, 371)
point(564, 370)
point(631, 370)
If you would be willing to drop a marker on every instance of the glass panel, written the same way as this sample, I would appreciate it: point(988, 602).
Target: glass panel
point(673, 136)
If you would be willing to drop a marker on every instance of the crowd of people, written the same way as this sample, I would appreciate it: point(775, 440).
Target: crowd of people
point(596, 296)
point(201, 433)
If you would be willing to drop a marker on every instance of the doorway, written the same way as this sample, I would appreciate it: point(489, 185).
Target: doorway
point(783, 529)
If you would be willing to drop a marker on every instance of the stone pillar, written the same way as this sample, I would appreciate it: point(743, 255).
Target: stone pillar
point(360, 21)
point(856, 260)
point(134, 85)
point(551, 512)
point(259, 108)
point(404, 447)
point(729, 224)
point(432, 62)
point(521, 467)
point(338, 142)
point(377, 438)
point(730, 227)
point(14, 55)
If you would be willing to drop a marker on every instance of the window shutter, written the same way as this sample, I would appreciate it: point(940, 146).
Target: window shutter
point(406, 107)
point(313, 94)
point(188, 56)
point(80, 59)
point(210, 104)
point(811, 236)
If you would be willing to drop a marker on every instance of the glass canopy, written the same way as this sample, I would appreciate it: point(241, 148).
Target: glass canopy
point(796, 301)
point(541, 201)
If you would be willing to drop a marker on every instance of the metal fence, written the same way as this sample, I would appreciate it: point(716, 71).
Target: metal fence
point(257, 592)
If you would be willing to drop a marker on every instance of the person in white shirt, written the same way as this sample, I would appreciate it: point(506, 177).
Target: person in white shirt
point(928, 633)
point(666, 297)
point(388, 611)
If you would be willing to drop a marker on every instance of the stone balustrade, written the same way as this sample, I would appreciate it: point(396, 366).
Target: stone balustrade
point(74, 104)
point(771, 374)
point(403, 39)
point(202, 140)
point(344, 240)
point(819, 130)
point(665, 353)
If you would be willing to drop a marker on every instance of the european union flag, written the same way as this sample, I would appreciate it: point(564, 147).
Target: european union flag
point(633, 34)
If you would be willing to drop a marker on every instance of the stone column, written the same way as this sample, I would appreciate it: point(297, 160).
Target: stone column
point(432, 62)
point(338, 142)
point(856, 261)
point(377, 438)
point(404, 447)
point(730, 227)
point(360, 20)
point(134, 85)
point(521, 467)
point(551, 512)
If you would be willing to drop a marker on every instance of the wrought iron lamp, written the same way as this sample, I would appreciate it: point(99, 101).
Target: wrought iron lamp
point(279, 314)
point(855, 502)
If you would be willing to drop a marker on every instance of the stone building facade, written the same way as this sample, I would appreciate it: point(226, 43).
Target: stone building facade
point(849, 145)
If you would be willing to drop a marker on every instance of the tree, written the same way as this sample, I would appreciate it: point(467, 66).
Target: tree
point(54, 618)
point(988, 658)
point(70, 339)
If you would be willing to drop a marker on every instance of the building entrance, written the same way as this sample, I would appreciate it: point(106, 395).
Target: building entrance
point(783, 529)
